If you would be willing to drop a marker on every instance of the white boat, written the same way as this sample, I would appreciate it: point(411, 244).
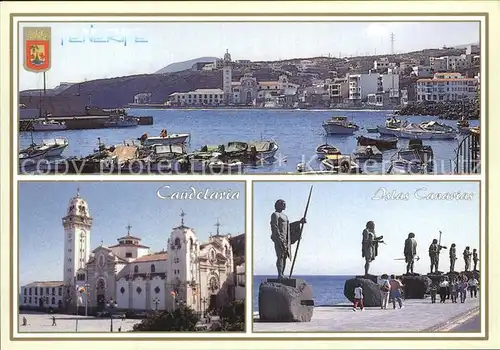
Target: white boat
point(414, 131)
point(339, 126)
point(325, 149)
point(167, 140)
point(48, 125)
point(264, 149)
point(392, 124)
point(54, 146)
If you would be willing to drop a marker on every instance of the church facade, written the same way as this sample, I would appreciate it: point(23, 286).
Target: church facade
point(128, 275)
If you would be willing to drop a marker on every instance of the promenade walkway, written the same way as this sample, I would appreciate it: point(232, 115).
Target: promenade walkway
point(417, 315)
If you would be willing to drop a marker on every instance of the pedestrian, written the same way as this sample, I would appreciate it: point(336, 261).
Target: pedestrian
point(433, 291)
point(385, 289)
point(358, 298)
point(463, 289)
point(396, 286)
point(54, 321)
point(25, 321)
point(454, 291)
point(473, 283)
point(443, 289)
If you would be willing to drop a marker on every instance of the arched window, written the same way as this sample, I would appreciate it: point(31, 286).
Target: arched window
point(153, 268)
point(177, 243)
point(136, 269)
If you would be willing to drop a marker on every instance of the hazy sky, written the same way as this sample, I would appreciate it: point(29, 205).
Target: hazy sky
point(173, 42)
point(338, 213)
point(113, 206)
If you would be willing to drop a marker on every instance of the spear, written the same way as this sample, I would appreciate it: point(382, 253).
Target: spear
point(301, 229)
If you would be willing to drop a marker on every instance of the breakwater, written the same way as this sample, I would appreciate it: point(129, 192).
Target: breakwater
point(81, 122)
point(449, 111)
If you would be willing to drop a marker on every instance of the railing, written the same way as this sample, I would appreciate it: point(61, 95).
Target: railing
point(467, 160)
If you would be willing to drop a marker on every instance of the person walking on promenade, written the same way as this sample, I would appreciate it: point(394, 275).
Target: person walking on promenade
point(463, 289)
point(473, 283)
point(443, 289)
point(454, 290)
point(385, 289)
point(433, 292)
point(25, 321)
point(358, 298)
point(396, 287)
point(54, 321)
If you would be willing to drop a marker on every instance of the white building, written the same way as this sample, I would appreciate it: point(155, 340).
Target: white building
point(128, 273)
point(381, 64)
point(390, 84)
point(446, 87)
point(360, 85)
point(450, 63)
point(198, 97)
point(422, 71)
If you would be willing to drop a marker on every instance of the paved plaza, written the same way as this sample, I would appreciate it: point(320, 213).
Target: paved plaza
point(417, 315)
point(68, 323)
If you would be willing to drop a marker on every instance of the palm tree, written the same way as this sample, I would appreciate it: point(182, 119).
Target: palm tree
point(35, 52)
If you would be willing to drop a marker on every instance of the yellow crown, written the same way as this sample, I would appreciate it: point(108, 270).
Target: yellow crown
point(37, 33)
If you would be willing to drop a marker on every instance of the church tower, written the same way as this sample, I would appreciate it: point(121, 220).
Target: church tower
point(227, 77)
point(183, 265)
point(77, 224)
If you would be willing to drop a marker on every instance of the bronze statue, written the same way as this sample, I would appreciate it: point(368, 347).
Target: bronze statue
point(369, 245)
point(283, 234)
point(453, 256)
point(467, 256)
point(475, 258)
point(434, 251)
point(410, 252)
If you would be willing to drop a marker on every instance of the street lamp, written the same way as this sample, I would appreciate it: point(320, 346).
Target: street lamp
point(111, 304)
point(156, 301)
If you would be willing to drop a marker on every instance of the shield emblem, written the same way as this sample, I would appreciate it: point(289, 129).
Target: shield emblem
point(37, 55)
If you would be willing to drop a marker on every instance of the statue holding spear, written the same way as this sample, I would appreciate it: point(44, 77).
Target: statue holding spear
point(284, 234)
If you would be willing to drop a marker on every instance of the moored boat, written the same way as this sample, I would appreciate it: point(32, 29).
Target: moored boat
point(417, 158)
point(365, 153)
point(391, 124)
point(339, 126)
point(325, 149)
point(372, 130)
point(340, 163)
point(163, 140)
point(264, 150)
point(121, 122)
point(381, 143)
point(48, 125)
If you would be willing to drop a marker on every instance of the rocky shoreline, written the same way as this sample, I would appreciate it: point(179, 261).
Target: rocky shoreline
point(451, 111)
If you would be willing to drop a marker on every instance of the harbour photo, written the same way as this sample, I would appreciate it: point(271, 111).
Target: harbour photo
point(374, 98)
point(113, 257)
point(395, 257)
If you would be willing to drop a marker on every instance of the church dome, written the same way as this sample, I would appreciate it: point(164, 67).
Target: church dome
point(78, 206)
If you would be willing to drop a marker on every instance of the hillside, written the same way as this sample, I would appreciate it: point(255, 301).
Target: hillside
point(185, 65)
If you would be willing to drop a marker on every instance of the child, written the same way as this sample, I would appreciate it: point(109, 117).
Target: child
point(358, 297)
point(433, 292)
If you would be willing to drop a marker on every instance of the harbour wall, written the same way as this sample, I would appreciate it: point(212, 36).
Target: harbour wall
point(83, 122)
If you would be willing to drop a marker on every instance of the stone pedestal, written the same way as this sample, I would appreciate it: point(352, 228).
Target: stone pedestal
point(287, 300)
point(415, 286)
point(371, 290)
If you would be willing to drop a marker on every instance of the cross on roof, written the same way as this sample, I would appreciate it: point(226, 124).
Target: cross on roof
point(78, 190)
point(182, 217)
point(218, 225)
point(128, 227)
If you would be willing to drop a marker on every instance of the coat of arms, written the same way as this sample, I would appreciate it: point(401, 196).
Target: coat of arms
point(37, 49)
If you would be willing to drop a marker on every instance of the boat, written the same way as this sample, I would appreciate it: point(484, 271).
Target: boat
point(426, 131)
point(391, 124)
point(365, 153)
point(325, 149)
point(29, 156)
point(340, 163)
point(55, 147)
point(163, 140)
point(381, 143)
point(264, 150)
point(164, 158)
point(48, 125)
point(197, 162)
point(339, 126)
point(417, 158)
point(217, 166)
point(121, 122)
point(372, 130)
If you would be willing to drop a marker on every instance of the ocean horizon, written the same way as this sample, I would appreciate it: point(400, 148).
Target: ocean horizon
point(328, 290)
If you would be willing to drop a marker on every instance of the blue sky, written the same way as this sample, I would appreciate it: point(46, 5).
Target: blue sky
point(338, 213)
point(173, 42)
point(114, 205)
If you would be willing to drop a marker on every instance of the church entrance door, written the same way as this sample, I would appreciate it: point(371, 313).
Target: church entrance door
point(212, 305)
point(101, 301)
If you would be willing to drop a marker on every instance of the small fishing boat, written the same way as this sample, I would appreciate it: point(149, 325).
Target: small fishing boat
point(30, 156)
point(163, 140)
point(325, 149)
point(339, 163)
point(415, 131)
point(48, 125)
point(391, 124)
point(372, 130)
point(417, 158)
point(365, 153)
point(339, 126)
point(381, 143)
point(264, 150)
point(121, 122)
